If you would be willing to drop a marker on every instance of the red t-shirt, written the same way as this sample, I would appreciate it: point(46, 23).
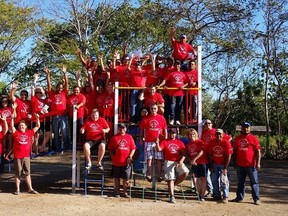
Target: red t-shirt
point(219, 151)
point(153, 126)
point(123, 73)
point(181, 50)
point(23, 109)
point(107, 105)
point(246, 147)
point(176, 79)
point(138, 78)
point(90, 100)
point(22, 142)
point(75, 100)
point(193, 148)
point(58, 100)
point(100, 76)
point(172, 149)
point(37, 106)
point(121, 145)
point(192, 77)
point(1, 140)
point(7, 112)
point(94, 129)
point(150, 99)
point(100, 97)
point(153, 77)
point(208, 135)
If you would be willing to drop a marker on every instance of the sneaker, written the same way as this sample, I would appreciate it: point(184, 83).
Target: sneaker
point(160, 179)
point(237, 200)
point(201, 199)
point(171, 122)
point(208, 195)
point(224, 200)
point(126, 195)
point(117, 195)
point(172, 199)
point(149, 178)
point(257, 202)
point(178, 122)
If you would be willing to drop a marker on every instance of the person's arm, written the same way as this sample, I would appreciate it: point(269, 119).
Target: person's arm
point(80, 54)
point(48, 77)
point(12, 125)
point(78, 78)
point(33, 86)
point(64, 70)
point(13, 90)
point(158, 147)
point(153, 61)
point(141, 133)
point(193, 161)
point(258, 159)
point(172, 34)
point(5, 128)
point(37, 126)
point(228, 159)
point(130, 62)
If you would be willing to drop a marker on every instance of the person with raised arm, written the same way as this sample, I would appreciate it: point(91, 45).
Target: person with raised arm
point(59, 107)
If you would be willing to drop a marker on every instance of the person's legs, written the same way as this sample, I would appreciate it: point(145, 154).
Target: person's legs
point(172, 104)
point(65, 134)
point(87, 154)
point(178, 107)
point(253, 176)
point(158, 168)
point(209, 182)
point(241, 178)
point(56, 139)
point(202, 186)
point(133, 105)
point(116, 186)
point(101, 153)
point(215, 181)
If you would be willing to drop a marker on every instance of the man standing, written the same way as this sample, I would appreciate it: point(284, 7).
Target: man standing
point(121, 148)
point(219, 153)
point(153, 127)
point(174, 155)
point(247, 157)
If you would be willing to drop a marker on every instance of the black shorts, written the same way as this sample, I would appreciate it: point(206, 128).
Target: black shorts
point(199, 170)
point(95, 143)
point(123, 172)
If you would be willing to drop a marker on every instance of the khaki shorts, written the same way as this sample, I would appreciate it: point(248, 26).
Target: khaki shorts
point(172, 171)
point(22, 164)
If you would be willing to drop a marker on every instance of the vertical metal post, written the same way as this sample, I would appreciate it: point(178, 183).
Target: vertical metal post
point(116, 107)
point(74, 149)
point(199, 52)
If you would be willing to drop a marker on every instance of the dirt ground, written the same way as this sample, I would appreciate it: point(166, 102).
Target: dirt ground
point(51, 176)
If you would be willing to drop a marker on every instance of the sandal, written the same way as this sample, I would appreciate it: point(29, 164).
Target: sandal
point(16, 193)
point(100, 167)
point(33, 192)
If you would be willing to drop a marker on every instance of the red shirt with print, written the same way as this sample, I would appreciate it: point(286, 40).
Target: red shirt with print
point(181, 50)
point(192, 77)
point(219, 150)
point(153, 126)
point(153, 77)
point(172, 149)
point(23, 109)
point(58, 100)
point(94, 129)
point(193, 148)
point(121, 146)
point(22, 142)
point(90, 100)
point(176, 79)
point(74, 99)
point(138, 78)
point(150, 99)
point(246, 147)
point(123, 74)
point(7, 112)
point(38, 105)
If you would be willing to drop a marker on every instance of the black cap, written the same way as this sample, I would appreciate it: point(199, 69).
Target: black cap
point(122, 125)
point(246, 124)
point(172, 130)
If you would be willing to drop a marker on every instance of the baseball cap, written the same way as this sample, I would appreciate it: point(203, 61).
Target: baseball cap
point(219, 131)
point(177, 62)
point(93, 58)
point(246, 124)
point(173, 130)
point(183, 36)
point(122, 125)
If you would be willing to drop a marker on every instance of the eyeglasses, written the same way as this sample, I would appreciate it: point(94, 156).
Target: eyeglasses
point(4, 101)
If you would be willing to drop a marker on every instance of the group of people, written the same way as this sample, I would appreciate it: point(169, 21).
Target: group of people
point(152, 110)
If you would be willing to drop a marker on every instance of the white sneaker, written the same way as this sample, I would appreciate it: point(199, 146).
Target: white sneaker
point(178, 122)
point(171, 122)
point(172, 199)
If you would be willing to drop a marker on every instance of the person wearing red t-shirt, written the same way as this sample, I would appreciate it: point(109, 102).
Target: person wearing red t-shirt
point(155, 72)
point(247, 158)
point(90, 63)
point(152, 128)
point(89, 92)
point(174, 155)
point(78, 100)
point(3, 132)
point(6, 110)
point(150, 97)
point(177, 80)
point(95, 127)
point(190, 99)
point(196, 152)
point(219, 153)
point(182, 50)
point(58, 105)
point(40, 106)
point(121, 148)
point(100, 73)
point(121, 72)
point(23, 109)
point(138, 79)
point(22, 143)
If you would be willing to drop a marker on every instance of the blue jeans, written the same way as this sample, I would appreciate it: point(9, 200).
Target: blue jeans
point(135, 106)
point(176, 104)
point(215, 176)
point(60, 123)
point(252, 173)
point(209, 181)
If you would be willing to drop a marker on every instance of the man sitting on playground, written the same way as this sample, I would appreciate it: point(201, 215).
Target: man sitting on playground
point(95, 127)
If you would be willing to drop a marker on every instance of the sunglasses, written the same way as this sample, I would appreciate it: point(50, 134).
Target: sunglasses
point(4, 101)
point(207, 123)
